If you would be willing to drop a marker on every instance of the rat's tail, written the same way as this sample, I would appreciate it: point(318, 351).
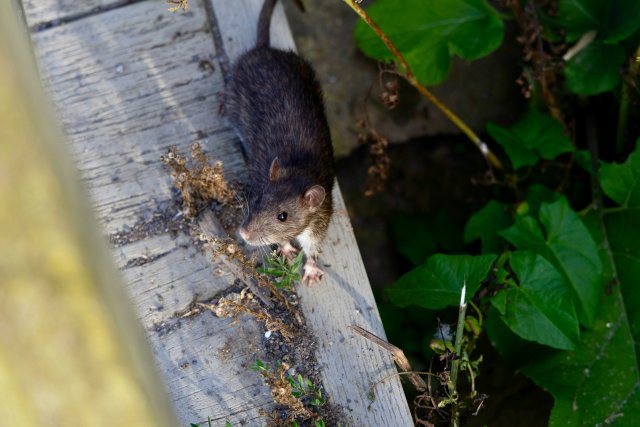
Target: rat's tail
point(264, 22)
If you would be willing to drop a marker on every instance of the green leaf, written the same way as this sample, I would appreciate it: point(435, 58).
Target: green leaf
point(621, 182)
point(622, 230)
point(600, 382)
point(536, 196)
point(541, 308)
point(568, 245)
point(485, 225)
point(535, 135)
point(438, 282)
point(518, 153)
point(525, 234)
point(428, 33)
point(614, 20)
point(595, 69)
point(513, 349)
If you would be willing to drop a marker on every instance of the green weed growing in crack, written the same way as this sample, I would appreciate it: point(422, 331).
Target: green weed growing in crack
point(285, 274)
point(295, 392)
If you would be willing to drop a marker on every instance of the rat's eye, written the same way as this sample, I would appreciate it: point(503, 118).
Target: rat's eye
point(282, 216)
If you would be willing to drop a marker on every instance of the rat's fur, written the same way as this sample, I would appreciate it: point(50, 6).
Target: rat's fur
point(275, 103)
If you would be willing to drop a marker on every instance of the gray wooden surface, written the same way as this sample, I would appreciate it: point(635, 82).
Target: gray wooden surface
point(128, 80)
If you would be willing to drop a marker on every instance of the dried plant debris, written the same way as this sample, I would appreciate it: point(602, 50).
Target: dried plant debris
point(178, 5)
point(544, 59)
point(226, 251)
point(388, 85)
point(234, 304)
point(199, 182)
point(434, 400)
point(379, 160)
point(208, 201)
point(398, 356)
point(297, 392)
point(390, 93)
point(282, 390)
point(301, 401)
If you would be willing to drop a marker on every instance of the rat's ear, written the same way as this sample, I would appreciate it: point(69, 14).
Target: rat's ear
point(274, 170)
point(314, 196)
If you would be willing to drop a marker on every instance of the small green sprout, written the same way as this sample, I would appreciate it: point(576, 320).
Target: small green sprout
point(259, 366)
point(284, 273)
point(304, 388)
point(227, 424)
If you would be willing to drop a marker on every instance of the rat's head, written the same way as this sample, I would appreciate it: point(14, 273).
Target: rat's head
point(282, 210)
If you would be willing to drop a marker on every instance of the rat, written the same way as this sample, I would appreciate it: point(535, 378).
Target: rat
point(275, 103)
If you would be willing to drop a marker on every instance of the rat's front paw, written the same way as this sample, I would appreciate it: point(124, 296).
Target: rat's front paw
point(312, 273)
point(288, 251)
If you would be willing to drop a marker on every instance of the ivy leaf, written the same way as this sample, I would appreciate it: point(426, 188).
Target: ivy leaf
point(614, 20)
point(428, 33)
point(535, 135)
point(595, 69)
point(600, 382)
point(485, 225)
point(568, 245)
point(541, 308)
point(438, 282)
point(622, 182)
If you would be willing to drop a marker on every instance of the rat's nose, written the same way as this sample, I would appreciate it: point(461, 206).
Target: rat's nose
point(244, 233)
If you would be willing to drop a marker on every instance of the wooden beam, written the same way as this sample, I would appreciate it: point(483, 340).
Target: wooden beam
point(71, 352)
point(128, 83)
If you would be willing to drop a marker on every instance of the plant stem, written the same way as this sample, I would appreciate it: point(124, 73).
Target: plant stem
point(455, 364)
point(623, 113)
point(411, 78)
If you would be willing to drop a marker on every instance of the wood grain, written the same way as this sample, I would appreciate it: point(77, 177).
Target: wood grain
point(128, 83)
point(41, 13)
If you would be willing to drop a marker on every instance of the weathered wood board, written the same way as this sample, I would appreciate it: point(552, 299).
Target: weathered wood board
point(45, 13)
point(132, 79)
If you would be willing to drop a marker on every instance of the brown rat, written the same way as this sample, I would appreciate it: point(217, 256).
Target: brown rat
point(275, 103)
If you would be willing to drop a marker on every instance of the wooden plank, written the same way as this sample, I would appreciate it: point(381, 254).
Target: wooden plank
point(139, 87)
point(350, 365)
point(47, 12)
point(68, 353)
point(130, 82)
